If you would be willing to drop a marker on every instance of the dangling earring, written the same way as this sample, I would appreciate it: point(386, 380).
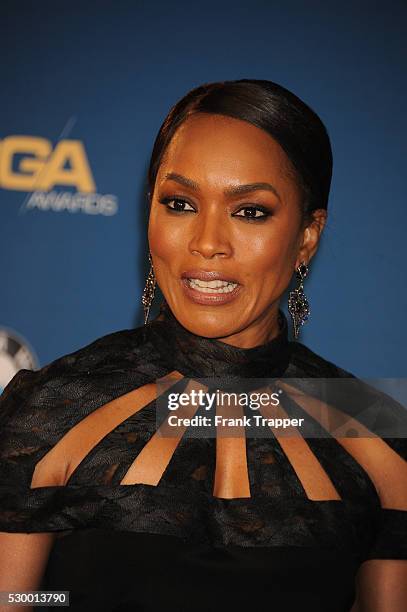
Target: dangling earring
point(148, 292)
point(298, 305)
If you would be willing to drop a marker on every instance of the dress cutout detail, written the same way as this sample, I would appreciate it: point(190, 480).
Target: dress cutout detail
point(386, 468)
point(150, 464)
point(73, 447)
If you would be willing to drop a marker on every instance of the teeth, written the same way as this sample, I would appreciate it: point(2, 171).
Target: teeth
point(215, 286)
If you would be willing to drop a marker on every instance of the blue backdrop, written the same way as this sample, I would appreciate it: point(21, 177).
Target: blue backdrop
point(85, 87)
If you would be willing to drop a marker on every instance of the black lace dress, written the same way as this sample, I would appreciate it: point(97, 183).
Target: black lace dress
point(147, 523)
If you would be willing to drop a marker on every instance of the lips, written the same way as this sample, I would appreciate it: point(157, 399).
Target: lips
point(208, 275)
point(209, 296)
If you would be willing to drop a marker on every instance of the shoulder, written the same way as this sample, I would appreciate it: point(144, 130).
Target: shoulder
point(81, 380)
point(366, 410)
point(125, 344)
point(308, 363)
point(103, 351)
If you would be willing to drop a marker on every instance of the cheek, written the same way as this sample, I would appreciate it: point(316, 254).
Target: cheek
point(164, 238)
point(268, 256)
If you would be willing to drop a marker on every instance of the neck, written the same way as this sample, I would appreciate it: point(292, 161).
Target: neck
point(201, 356)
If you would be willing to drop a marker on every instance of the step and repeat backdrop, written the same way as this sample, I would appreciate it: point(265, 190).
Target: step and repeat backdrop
point(84, 89)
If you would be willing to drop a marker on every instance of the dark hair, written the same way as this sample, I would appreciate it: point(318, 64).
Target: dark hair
point(272, 108)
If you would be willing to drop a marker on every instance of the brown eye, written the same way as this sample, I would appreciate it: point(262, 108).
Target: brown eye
point(179, 204)
point(253, 210)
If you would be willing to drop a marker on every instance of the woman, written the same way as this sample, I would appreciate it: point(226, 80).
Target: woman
point(99, 498)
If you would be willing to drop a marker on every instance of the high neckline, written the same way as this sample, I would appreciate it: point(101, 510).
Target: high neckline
point(198, 356)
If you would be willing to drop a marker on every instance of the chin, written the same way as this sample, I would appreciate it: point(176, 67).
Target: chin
point(208, 325)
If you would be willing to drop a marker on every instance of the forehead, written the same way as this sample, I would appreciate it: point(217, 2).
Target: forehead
point(209, 146)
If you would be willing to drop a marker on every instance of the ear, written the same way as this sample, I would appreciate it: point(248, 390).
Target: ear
point(310, 236)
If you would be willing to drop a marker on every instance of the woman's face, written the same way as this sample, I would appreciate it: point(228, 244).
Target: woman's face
point(225, 202)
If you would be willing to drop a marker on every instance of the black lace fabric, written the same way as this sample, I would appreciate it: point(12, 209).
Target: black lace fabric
point(278, 527)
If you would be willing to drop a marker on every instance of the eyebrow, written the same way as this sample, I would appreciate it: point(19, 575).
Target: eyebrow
point(230, 191)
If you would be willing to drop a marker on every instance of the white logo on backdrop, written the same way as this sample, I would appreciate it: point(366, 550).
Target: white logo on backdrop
point(15, 354)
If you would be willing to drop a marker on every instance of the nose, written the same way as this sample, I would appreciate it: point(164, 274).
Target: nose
point(210, 236)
